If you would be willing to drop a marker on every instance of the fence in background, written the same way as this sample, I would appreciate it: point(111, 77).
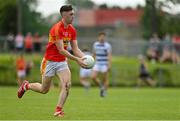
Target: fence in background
point(120, 47)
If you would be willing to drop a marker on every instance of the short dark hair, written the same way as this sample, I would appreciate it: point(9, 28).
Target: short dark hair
point(66, 8)
point(102, 33)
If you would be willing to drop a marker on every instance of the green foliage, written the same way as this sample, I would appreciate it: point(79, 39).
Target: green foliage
point(155, 20)
point(81, 3)
point(124, 71)
point(103, 6)
point(8, 16)
point(31, 20)
point(171, 24)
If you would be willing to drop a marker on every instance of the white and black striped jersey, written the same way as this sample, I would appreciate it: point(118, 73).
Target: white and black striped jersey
point(101, 51)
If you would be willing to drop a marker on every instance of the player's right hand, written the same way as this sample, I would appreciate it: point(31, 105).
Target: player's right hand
point(81, 63)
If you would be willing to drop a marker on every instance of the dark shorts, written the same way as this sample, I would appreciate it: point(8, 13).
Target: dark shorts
point(37, 47)
point(144, 76)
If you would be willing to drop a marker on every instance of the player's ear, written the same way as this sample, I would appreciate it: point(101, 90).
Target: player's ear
point(62, 14)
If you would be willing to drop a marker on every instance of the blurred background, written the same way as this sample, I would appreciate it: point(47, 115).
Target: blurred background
point(147, 27)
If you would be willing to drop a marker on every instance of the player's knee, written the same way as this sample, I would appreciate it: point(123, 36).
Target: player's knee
point(66, 86)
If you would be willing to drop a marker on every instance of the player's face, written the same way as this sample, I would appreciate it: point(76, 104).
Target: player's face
point(69, 16)
point(101, 38)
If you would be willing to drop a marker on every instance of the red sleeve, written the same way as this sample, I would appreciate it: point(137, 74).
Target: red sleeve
point(58, 33)
point(73, 34)
point(55, 34)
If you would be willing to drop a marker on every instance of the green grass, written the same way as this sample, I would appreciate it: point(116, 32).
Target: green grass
point(120, 104)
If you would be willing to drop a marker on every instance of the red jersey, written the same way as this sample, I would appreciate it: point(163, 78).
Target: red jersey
point(20, 64)
point(176, 39)
point(59, 33)
point(28, 42)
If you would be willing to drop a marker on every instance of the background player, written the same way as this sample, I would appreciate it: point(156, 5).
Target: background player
point(55, 61)
point(85, 74)
point(144, 75)
point(20, 69)
point(102, 53)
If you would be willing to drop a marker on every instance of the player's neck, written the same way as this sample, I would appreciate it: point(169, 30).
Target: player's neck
point(65, 24)
point(101, 41)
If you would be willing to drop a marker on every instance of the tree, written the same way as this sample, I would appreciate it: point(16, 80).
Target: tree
point(103, 6)
point(116, 7)
point(31, 20)
point(81, 3)
point(139, 7)
point(150, 19)
point(8, 18)
point(156, 20)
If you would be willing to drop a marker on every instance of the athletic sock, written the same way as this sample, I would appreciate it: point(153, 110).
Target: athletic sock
point(27, 86)
point(58, 108)
point(24, 87)
point(102, 88)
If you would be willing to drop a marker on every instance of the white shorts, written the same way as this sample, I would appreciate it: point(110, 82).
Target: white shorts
point(50, 68)
point(85, 72)
point(21, 73)
point(100, 68)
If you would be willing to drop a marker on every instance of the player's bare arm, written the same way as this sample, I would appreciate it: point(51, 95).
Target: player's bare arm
point(109, 60)
point(76, 49)
point(60, 47)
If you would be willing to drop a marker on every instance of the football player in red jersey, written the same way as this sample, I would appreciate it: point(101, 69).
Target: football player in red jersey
point(55, 59)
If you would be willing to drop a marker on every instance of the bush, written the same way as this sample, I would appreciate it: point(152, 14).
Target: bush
point(124, 71)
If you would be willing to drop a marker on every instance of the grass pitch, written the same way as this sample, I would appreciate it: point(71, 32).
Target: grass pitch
point(120, 104)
